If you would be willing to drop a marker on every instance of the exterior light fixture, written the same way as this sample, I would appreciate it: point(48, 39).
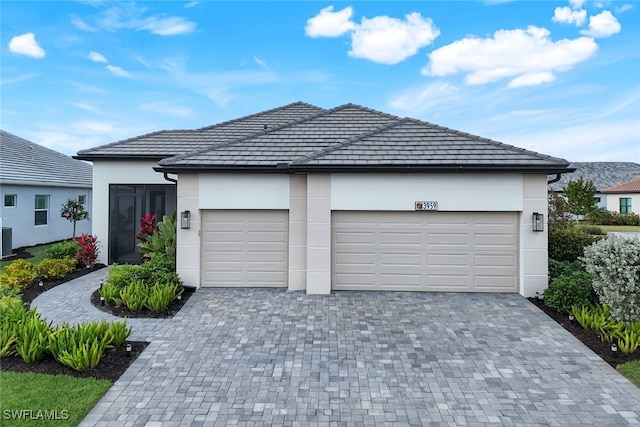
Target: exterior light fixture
point(614, 350)
point(101, 300)
point(185, 220)
point(571, 318)
point(538, 221)
point(128, 349)
point(40, 284)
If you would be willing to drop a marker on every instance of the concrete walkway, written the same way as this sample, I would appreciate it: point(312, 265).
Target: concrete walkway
point(269, 357)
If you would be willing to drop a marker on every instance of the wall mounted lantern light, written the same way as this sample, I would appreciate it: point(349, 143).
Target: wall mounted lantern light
point(538, 222)
point(185, 220)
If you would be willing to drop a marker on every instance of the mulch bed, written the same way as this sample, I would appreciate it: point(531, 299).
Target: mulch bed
point(122, 311)
point(115, 361)
point(588, 337)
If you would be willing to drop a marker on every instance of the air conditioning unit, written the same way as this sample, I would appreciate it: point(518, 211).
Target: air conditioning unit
point(7, 242)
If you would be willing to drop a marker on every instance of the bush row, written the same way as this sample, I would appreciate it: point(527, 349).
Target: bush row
point(20, 273)
point(604, 217)
point(598, 318)
point(25, 333)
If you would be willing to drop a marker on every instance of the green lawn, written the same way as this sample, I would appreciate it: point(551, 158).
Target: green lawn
point(39, 399)
point(608, 228)
point(631, 370)
point(38, 253)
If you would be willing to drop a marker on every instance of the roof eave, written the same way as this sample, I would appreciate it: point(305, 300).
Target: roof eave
point(123, 158)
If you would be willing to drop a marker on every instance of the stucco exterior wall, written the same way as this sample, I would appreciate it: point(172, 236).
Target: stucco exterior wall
point(534, 263)
point(21, 218)
point(613, 202)
point(114, 172)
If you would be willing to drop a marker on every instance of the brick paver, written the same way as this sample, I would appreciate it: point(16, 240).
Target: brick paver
point(262, 357)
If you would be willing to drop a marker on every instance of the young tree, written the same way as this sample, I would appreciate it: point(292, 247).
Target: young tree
point(74, 211)
point(581, 197)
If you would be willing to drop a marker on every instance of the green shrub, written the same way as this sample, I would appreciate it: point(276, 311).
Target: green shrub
point(163, 239)
point(18, 274)
point(52, 269)
point(159, 269)
point(134, 296)
point(567, 244)
point(63, 249)
point(160, 296)
point(561, 268)
point(121, 275)
point(593, 230)
point(111, 294)
point(116, 334)
point(32, 337)
point(570, 290)
point(602, 216)
point(614, 264)
point(82, 356)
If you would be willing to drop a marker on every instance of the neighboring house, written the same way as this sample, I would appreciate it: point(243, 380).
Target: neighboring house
point(625, 197)
point(34, 183)
point(603, 175)
point(344, 199)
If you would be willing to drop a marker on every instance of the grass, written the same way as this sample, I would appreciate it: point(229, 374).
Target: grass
point(36, 397)
point(631, 370)
point(631, 228)
point(38, 253)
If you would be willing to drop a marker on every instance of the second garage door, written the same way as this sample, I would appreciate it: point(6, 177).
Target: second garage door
point(245, 248)
point(425, 251)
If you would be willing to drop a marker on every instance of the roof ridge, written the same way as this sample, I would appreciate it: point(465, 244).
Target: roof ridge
point(249, 116)
point(349, 141)
point(285, 125)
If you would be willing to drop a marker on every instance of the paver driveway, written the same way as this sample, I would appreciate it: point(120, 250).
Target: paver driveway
point(271, 357)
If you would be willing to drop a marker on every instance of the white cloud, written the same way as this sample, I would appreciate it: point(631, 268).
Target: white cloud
point(167, 26)
point(567, 16)
point(261, 63)
point(389, 40)
point(602, 25)
point(168, 108)
point(79, 23)
point(117, 71)
point(527, 57)
point(191, 4)
point(416, 100)
point(576, 4)
point(86, 107)
point(97, 57)
point(329, 23)
point(381, 39)
point(624, 8)
point(27, 45)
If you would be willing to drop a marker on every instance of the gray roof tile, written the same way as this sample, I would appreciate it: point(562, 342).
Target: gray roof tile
point(24, 162)
point(603, 174)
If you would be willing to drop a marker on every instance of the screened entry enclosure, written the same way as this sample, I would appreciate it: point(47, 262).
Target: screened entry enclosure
point(129, 203)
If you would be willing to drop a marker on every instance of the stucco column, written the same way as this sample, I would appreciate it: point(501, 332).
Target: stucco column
point(297, 232)
point(534, 263)
point(188, 240)
point(318, 234)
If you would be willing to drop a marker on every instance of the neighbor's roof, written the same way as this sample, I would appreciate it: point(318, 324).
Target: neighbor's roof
point(23, 162)
point(603, 174)
point(632, 186)
point(355, 138)
point(168, 143)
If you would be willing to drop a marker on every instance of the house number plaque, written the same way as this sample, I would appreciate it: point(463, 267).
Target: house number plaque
point(426, 206)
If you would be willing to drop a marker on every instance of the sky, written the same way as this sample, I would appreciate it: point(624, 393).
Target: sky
point(558, 77)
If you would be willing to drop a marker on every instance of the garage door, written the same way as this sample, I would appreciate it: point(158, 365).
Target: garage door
point(425, 251)
point(244, 248)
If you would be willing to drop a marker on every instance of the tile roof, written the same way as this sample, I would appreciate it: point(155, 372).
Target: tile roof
point(168, 143)
point(603, 174)
point(632, 186)
point(301, 137)
point(351, 136)
point(24, 162)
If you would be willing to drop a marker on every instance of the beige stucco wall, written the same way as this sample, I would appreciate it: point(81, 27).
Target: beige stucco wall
point(188, 240)
point(613, 202)
point(534, 262)
point(115, 172)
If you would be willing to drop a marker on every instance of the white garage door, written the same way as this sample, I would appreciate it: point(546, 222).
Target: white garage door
point(245, 248)
point(425, 251)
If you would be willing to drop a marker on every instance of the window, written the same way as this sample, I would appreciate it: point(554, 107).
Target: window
point(42, 209)
point(625, 205)
point(598, 199)
point(10, 200)
point(82, 199)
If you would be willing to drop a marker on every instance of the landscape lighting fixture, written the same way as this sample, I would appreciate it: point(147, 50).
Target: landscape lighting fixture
point(538, 221)
point(185, 220)
point(128, 349)
point(614, 350)
point(40, 284)
point(101, 300)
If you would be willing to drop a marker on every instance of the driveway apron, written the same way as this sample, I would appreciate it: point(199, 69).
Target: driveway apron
point(270, 357)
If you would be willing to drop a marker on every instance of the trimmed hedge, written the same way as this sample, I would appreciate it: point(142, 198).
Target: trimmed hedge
point(568, 243)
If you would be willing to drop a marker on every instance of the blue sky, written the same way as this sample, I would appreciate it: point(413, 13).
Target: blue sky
point(557, 77)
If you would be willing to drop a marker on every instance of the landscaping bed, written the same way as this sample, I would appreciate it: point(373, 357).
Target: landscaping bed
point(588, 337)
point(123, 311)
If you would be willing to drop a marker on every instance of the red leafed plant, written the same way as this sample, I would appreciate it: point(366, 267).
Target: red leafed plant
point(89, 250)
point(147, 227)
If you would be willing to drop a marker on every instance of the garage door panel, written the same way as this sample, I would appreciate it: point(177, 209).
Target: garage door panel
point(434, 251)
point(245, 248)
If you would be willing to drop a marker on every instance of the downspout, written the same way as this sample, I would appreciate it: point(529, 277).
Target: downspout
point(175, 181)
point(551, 181)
